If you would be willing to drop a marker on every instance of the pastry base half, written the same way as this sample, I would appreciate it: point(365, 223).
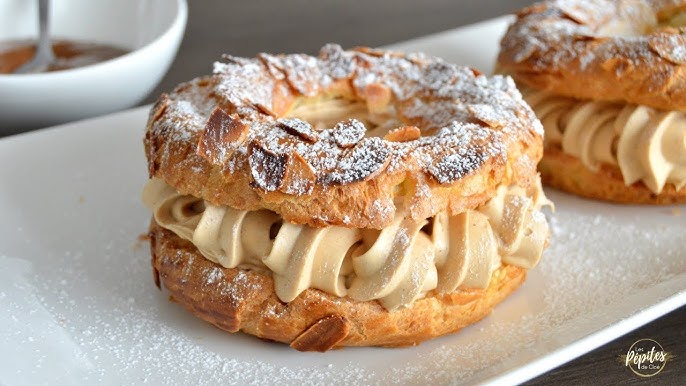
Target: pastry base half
point(566, 172)
point(244, 300)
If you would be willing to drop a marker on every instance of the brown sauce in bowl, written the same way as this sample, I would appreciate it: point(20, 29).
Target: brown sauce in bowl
point(68, 54)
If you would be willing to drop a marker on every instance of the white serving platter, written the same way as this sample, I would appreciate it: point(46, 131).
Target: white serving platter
point(78, 304)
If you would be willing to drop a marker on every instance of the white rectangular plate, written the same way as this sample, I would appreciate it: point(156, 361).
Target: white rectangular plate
point(79, 305)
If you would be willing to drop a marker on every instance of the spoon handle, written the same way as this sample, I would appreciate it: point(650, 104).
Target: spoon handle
point(44, 48)
point(44, 55)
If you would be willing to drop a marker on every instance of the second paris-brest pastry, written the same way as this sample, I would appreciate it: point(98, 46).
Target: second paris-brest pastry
point(356, 198)
point(608, 81)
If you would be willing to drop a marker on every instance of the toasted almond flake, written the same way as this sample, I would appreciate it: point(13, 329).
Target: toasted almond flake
point(669, 46)
point(222, 133)
point(298, 127)
point(349, 133)
point(267, 169)
point(403, 134)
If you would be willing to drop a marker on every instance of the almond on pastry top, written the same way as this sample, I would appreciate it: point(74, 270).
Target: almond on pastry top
point(342, 138)
point(630, 51)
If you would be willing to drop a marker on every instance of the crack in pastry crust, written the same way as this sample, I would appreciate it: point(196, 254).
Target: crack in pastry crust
point(234, 138)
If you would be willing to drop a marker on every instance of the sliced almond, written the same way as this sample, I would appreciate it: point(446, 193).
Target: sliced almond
point(267, 168)
point(302, 73)
point(265, 110)
point(403, 134)
point(536, 8)
point(273, 64)
point(230, 59)
point(456, 165)
point(349, 133)
point(574, 12)
point(377, 97)
point(159, 108)
point(524, 51)
point(282, 98)
point(300, 177)
point(370, 51)
point(361, 163)
point(299, 128)
point(337, 63)
point(488, 115)
point(222, 133)
point(323, 335)
point(671, 47)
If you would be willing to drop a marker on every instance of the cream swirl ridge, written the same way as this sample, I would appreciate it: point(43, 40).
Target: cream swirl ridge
point(395, 265)
point(299, 257)
point(646, 144)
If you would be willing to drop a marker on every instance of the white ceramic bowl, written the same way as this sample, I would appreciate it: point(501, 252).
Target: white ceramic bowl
point(151, 29)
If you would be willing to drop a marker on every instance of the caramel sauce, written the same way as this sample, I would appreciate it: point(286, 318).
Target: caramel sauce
point(68, 54)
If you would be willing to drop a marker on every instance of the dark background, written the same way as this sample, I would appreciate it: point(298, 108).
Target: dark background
point(245, 28)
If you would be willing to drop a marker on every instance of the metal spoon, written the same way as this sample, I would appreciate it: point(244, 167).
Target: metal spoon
point(44, 55)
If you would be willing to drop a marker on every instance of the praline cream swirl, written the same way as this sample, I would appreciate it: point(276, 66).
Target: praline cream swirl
point(647, 144)
point(395, 265)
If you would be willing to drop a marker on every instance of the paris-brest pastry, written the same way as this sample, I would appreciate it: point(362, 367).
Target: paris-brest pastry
point(356, 198)
point(608, 81)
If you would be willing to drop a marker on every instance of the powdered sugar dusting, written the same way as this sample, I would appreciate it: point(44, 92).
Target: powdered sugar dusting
point(180, 117)
point(298, 127)
point(242, 81)
point(670, 46)
point(392, 70)
point(302, 72)
point(187, 114)
point(270, 153)
point(214, 275)
point(336, 63)
point(469, 148)
point(431, 92)
point(267, 168)
point(348, 133)
point(368, 157)
point(559, 33)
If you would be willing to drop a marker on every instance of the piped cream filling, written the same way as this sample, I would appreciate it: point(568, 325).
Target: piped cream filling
point(647, 144)
point(395, 265)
